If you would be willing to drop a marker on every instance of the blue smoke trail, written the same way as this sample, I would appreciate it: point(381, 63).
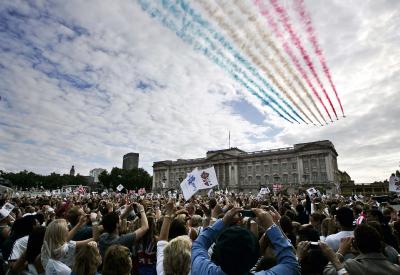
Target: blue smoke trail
point(220, 38)
point(182, 33)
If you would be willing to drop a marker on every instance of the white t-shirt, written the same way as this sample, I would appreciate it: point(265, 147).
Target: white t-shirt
point(160, 257)
point(334, 240)
point(18, 248)
point(54, 267)
point(68, 255)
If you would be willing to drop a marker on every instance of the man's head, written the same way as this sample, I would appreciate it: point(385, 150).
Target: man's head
point(73, 215)
point(236, 250)
point(367, 239)
point(375, 215)
point(307, 233)
point(178, 228)
point(314, 262)
point(110, 222)
point(345, 217)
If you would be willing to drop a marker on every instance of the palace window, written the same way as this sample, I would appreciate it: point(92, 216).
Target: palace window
point(295, 178)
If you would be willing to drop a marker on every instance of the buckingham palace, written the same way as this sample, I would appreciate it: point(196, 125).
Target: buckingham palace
point(304, 164)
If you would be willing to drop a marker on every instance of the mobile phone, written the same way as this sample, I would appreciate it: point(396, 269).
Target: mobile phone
point(248, 213)
point(314, 244)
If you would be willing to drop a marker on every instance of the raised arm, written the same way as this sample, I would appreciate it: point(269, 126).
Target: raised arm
point(201, 263)
point(285, 256)
point(169, 215)
point(74, 230)
point(144, 225)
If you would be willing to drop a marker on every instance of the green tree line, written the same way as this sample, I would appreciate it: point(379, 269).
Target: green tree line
point(130, 179)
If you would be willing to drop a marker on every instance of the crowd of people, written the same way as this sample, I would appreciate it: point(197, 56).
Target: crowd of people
point(236, 234)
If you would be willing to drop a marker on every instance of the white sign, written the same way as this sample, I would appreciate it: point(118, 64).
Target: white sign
point(394, 184)
point(6, 210)
point(120, 187)
point(264, 191)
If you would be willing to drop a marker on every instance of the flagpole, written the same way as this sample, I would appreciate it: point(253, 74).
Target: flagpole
point(229, 138)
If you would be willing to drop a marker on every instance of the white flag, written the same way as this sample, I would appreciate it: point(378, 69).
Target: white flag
point(394, 184)
point(311, 191)
point(264, 191)
point(189, 185)
point(207, 178)
point(120, 187)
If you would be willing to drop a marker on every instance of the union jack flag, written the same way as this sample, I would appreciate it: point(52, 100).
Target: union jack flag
point(80, 190)
point(141, 191)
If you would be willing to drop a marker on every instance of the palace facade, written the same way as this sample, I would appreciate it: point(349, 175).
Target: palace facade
point(304, 164)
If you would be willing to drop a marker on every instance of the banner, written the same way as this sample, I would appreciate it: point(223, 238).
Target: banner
point(394, 183)
point(199, 180)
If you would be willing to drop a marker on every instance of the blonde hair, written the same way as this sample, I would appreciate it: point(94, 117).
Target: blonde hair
point(55, 237)
point(117, 260)
point(177, 256)
point(87, 259)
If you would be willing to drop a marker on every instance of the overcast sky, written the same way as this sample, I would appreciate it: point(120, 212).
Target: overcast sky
point(84, 82)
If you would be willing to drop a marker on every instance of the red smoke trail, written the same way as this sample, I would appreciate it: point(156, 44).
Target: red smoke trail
point(296, 41)
point(292, 56)
point(306, 19)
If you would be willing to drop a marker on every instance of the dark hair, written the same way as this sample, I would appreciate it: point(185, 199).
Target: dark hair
point(290, 214)
point(345, 216)
point(299, 208)
point(236, 250)
point(367, 239)
point(317, 217)
point(35, 243)
point(286, 224)
point(110, 222)
point(376, 214)
point(177, 228)
point(314, 262)
point(20, 228)
point(212, 203)
point(73, 215)
point(308, 233)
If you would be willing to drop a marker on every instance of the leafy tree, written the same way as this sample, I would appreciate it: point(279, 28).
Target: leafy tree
point(131, 179)
point(26, 180)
